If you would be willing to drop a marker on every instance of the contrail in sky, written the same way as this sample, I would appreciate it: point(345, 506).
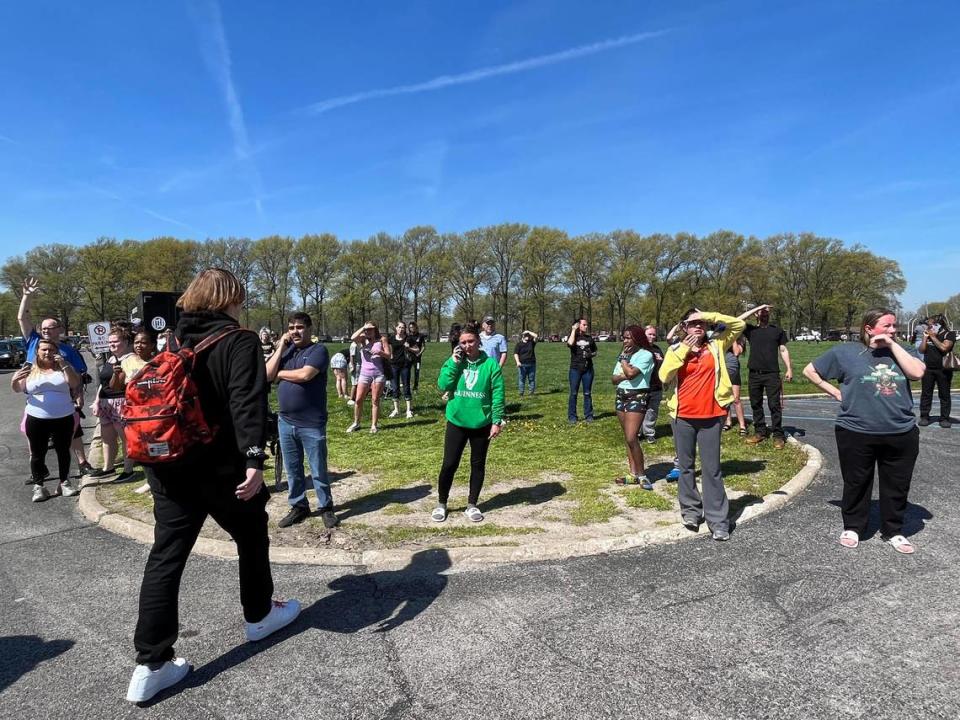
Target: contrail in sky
point(445, 81)
point(216, 54)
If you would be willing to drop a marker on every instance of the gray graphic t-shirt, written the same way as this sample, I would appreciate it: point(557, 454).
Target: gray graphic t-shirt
point(876, 394)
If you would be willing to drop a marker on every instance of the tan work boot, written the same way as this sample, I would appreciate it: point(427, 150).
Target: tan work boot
point(755, 439)
point(779, 442)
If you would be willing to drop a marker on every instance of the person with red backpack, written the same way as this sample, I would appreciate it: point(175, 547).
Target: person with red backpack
point(220, 374)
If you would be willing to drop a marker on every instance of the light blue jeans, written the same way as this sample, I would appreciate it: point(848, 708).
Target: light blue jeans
point(295, 443)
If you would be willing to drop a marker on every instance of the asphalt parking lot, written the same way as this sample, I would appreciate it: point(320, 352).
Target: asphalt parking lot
point(781, 622)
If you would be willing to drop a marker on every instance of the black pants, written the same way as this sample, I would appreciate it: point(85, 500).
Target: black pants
point(942, 379)
point(894, 457)
point(454, 442)
point(39, 432)
point(401, 376)
point(416, 375)
point(180, 509)
point(759, 382)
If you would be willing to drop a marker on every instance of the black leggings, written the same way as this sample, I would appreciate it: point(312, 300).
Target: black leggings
point(454, 442)
point(39, 432)
point(892, 458)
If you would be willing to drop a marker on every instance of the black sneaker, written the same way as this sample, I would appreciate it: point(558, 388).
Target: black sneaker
point(125, 476)
point(923, 422)
point(945, 424)
point(298, 513)
point(85, 469)
point(101, 473)
point(330, 520)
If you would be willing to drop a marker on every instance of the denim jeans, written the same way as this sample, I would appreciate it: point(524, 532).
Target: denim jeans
point(576, 378)
point(527, 373)
point(295, 442)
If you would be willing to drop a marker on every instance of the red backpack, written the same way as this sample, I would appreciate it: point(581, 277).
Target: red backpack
point(162, 417)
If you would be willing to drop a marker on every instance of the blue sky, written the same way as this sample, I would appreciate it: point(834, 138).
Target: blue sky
point(197, 119)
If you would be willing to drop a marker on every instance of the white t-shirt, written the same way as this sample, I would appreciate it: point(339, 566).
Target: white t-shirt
point(48, 396)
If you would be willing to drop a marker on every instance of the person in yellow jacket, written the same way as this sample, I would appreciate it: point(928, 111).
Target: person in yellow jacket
point(698, 407)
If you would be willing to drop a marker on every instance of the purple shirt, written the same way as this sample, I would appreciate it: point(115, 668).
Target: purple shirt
point(371, 364)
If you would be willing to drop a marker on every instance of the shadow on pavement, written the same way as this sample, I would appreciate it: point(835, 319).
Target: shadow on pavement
point(534, 495)
point(914, 519)
point(19, 654)
point(379, 500)
point(738, 505)
point(382, 600)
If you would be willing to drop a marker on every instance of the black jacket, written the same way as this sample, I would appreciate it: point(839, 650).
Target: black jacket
point(231, 381)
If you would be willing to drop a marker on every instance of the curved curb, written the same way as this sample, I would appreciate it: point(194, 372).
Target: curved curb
point(461, 558)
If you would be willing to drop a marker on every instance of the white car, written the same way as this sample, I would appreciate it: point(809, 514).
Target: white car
point(808, 337)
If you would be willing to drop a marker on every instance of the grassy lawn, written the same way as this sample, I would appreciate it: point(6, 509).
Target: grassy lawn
point(538, 451)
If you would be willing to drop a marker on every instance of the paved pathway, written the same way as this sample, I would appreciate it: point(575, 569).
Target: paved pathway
point(778, 623)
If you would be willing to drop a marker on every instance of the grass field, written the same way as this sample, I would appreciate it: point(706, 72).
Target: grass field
point(538, 448)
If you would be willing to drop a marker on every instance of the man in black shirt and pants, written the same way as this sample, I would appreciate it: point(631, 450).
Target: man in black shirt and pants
point(766, 342)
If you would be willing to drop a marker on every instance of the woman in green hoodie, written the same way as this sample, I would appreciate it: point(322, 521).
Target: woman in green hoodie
point(474, 384)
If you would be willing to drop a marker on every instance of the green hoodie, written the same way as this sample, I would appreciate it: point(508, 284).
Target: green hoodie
point(476, 391)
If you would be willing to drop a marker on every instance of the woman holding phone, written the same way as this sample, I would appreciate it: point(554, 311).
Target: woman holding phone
point(474, 412)
point(110, 401)
point(876, 430)
point(48, 384)
point(703, 393)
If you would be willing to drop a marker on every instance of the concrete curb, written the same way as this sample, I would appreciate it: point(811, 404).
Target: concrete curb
point(461, 558)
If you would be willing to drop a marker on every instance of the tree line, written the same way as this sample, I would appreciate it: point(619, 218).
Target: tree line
point(537, 278)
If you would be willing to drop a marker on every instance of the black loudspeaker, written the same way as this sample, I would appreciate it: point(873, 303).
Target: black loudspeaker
point(159, 311)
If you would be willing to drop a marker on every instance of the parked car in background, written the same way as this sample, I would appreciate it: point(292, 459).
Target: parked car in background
point(553, 338)
point(808, 336)
point(11, 356)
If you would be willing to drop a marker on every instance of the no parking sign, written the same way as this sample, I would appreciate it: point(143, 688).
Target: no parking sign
point(99, 333)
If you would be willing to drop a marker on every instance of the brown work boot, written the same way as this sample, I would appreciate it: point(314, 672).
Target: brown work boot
point(755, 439)
point(779, 442)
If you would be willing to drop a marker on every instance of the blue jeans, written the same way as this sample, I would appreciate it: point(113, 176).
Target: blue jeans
point(294, 443)
point(527, 373)
point(576, 378)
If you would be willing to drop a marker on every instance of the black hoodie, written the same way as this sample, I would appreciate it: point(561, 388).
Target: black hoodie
point(231, 381)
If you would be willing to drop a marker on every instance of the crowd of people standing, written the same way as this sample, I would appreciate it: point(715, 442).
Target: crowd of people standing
point(876, 430)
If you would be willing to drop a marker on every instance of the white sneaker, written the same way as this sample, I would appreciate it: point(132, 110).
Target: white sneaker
point(354, 427)
point(409, 414)
point(281, 614)
point(39, 493)
point(351, 403)
point(67, 489)
point(373, 429)
point(146, 683)
point(394, 413)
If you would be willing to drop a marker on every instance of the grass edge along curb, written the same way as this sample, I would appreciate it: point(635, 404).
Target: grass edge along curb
point(461, 558)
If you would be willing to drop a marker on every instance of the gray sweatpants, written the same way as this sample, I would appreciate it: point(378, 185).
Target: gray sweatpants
point(649, 427)
point(689, 435)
